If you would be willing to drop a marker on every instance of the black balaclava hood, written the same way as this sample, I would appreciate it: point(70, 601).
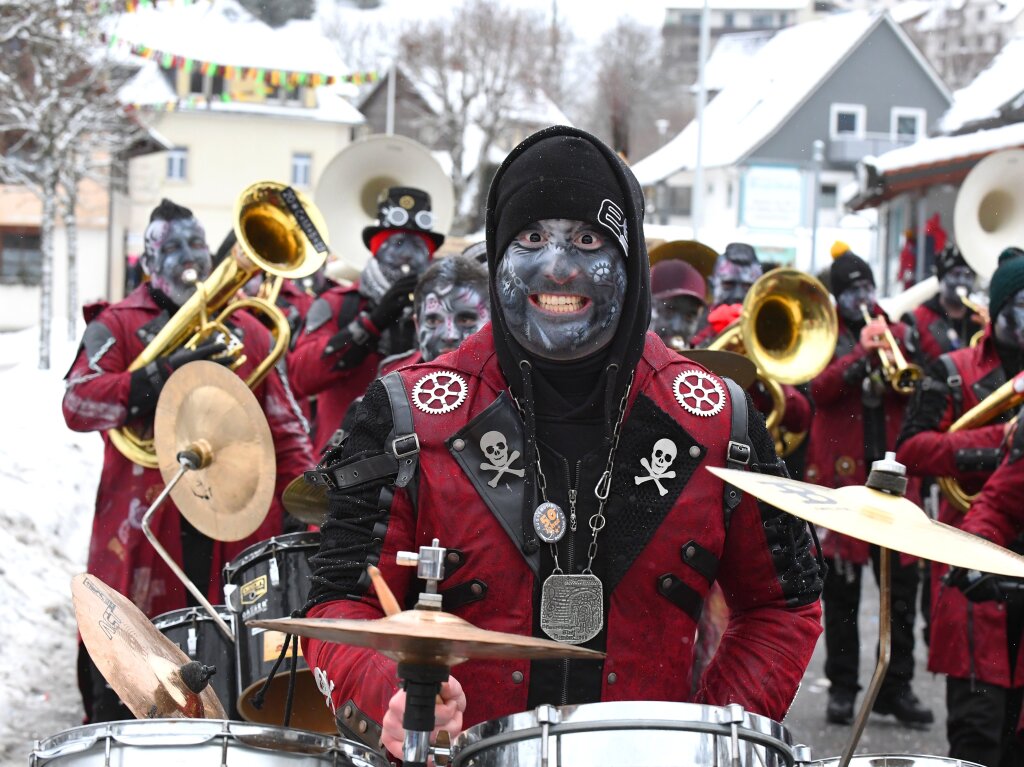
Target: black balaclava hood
point(563, 172)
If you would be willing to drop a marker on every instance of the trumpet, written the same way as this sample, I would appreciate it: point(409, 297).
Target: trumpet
point(278, 233)
point(979, 309)
point(902, 375)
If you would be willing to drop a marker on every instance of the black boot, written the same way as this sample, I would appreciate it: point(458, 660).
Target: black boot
point(904, 705)
point(840, 706)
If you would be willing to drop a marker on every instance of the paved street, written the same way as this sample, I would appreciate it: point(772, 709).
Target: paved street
point(883, 734)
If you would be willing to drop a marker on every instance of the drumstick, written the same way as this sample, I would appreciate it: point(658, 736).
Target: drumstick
point(384, 595)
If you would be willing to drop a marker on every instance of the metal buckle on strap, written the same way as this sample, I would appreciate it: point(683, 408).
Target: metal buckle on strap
point(405, 445)
point(955, 381)
point(320, 478)
point(738, 452)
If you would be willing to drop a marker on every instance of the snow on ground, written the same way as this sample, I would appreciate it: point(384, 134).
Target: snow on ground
point(48, 479)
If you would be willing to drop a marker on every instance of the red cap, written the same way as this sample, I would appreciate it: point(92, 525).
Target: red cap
point(673, 278)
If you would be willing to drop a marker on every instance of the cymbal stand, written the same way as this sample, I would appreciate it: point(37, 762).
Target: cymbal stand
point(422, 681)
point(888, 476)
point(196, 456)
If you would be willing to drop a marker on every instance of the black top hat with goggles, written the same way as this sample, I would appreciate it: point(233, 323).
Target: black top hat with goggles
point(407, 209)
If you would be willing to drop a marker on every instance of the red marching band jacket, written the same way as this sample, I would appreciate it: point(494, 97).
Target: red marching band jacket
point(96, 399)
point(835, 455)
point(974, 634)
point(650, 638)
point(315, 374)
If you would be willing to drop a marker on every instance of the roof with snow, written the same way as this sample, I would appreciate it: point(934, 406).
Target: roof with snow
point(909, 10)
point(731, 55)
point(739, 5)
point(773, 85)
point(997, 86)
point(222, 31)
point(937, 160)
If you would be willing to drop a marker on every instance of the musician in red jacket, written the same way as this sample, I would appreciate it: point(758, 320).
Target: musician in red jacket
point(979, 648)
point(858, 417)
point(564, 441)
point(943, 323)
point(349, 330)
point(102, 395)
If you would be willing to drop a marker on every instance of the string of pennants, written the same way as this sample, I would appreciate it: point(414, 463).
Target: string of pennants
point(273, 77)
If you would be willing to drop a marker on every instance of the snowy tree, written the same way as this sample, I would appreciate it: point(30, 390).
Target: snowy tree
point(58, 114)
point(475, 66)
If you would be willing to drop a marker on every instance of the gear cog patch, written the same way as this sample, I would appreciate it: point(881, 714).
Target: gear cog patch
point(699, 393)
point(439, 392)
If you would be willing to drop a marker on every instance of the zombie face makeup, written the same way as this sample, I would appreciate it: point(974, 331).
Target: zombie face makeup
point(447, 316)
point(402, 253)
point(1009, 323)
point(176, 257)
point(959, 277)
point(731, 280)
point(848, 302)
point(561, 288)
point(675, 319)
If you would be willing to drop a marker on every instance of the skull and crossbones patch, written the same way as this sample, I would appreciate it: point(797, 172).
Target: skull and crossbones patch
point(662, 456)
point(499, 460)
point(699, 393)
point(439, 392)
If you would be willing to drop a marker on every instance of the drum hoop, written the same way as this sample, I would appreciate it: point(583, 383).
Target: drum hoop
point(567, 728)
point(298, 541)
point(189, 614)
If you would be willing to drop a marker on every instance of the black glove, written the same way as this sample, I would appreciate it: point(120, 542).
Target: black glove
point(976, 586)
point(391, 305)
point(147, 383)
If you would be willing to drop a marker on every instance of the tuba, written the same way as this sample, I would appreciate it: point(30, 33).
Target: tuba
point(350, 185)
point(788, 329)
point(278, 232)
point(988, 217)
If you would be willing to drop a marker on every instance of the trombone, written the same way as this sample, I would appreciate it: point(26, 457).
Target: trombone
point(902, 375)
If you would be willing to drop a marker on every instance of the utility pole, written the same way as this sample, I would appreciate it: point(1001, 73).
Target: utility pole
point(697, 201)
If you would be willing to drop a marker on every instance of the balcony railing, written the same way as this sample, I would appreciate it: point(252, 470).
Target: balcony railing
point(850, 150)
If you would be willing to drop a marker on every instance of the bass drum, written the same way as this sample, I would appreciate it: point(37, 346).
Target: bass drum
point(893, 760)
point(198, 636)
point(270, 580)
point(626, 734)
point(174, 742)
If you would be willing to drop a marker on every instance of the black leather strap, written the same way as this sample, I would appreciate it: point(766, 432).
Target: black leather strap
point(463, 594)
point(403, 442)
point(977, 459)
point(355, 725)
point(955, 382)
point(700, 559)
point(738, 451)
point(681, 595)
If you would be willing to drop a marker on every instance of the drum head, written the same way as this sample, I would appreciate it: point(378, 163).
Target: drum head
point(894, 760)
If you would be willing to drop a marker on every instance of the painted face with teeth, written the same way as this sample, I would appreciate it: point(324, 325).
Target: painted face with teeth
point(176, 257)
point(562, 285)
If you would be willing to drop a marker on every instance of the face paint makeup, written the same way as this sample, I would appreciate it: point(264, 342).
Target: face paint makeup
point(448, 316)
point(561, 286)
point(675, 320)
point(731, 281)
point(957, 277)
point(402, 253)
point(177, 257)
point(848, 302)
point(1009, 324)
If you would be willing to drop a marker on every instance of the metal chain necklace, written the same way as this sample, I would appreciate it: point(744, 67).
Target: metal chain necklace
point(572, 604)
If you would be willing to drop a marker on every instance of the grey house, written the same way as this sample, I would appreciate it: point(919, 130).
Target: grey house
point(853, 81)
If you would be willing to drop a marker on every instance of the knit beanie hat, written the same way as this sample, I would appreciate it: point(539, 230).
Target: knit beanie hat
point(1007, 280)
point(948, 258)
point(846, 270)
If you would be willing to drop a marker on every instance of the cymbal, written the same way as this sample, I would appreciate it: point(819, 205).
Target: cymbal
point(305, 502)
point(427, 637)
point(728, 364)
point(142, 665)
point(879, 518)
point(205, 405)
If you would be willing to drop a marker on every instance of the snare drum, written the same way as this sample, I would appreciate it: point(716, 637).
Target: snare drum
point(892, 760)
point(199, 637)
point(269, 580)
point(626, 734)
point(174, 742)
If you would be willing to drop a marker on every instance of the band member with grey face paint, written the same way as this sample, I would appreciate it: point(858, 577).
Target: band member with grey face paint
point(561, 415)
point(176, 254)
point(451, 305)
point(350, 330)
point(562, 287)
point(736, 271)
point(944, 322)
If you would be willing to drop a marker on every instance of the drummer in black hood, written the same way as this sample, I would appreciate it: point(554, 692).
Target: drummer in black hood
point(560, 458)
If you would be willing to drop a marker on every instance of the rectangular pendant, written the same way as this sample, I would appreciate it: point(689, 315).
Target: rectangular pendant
point(572, 607)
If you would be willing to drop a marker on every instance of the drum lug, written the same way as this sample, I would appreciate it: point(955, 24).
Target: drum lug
point(546, 716)
point(733, 715)
point(801, 754)
point(275, 576)
point(191, 642)
point(232, 598)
